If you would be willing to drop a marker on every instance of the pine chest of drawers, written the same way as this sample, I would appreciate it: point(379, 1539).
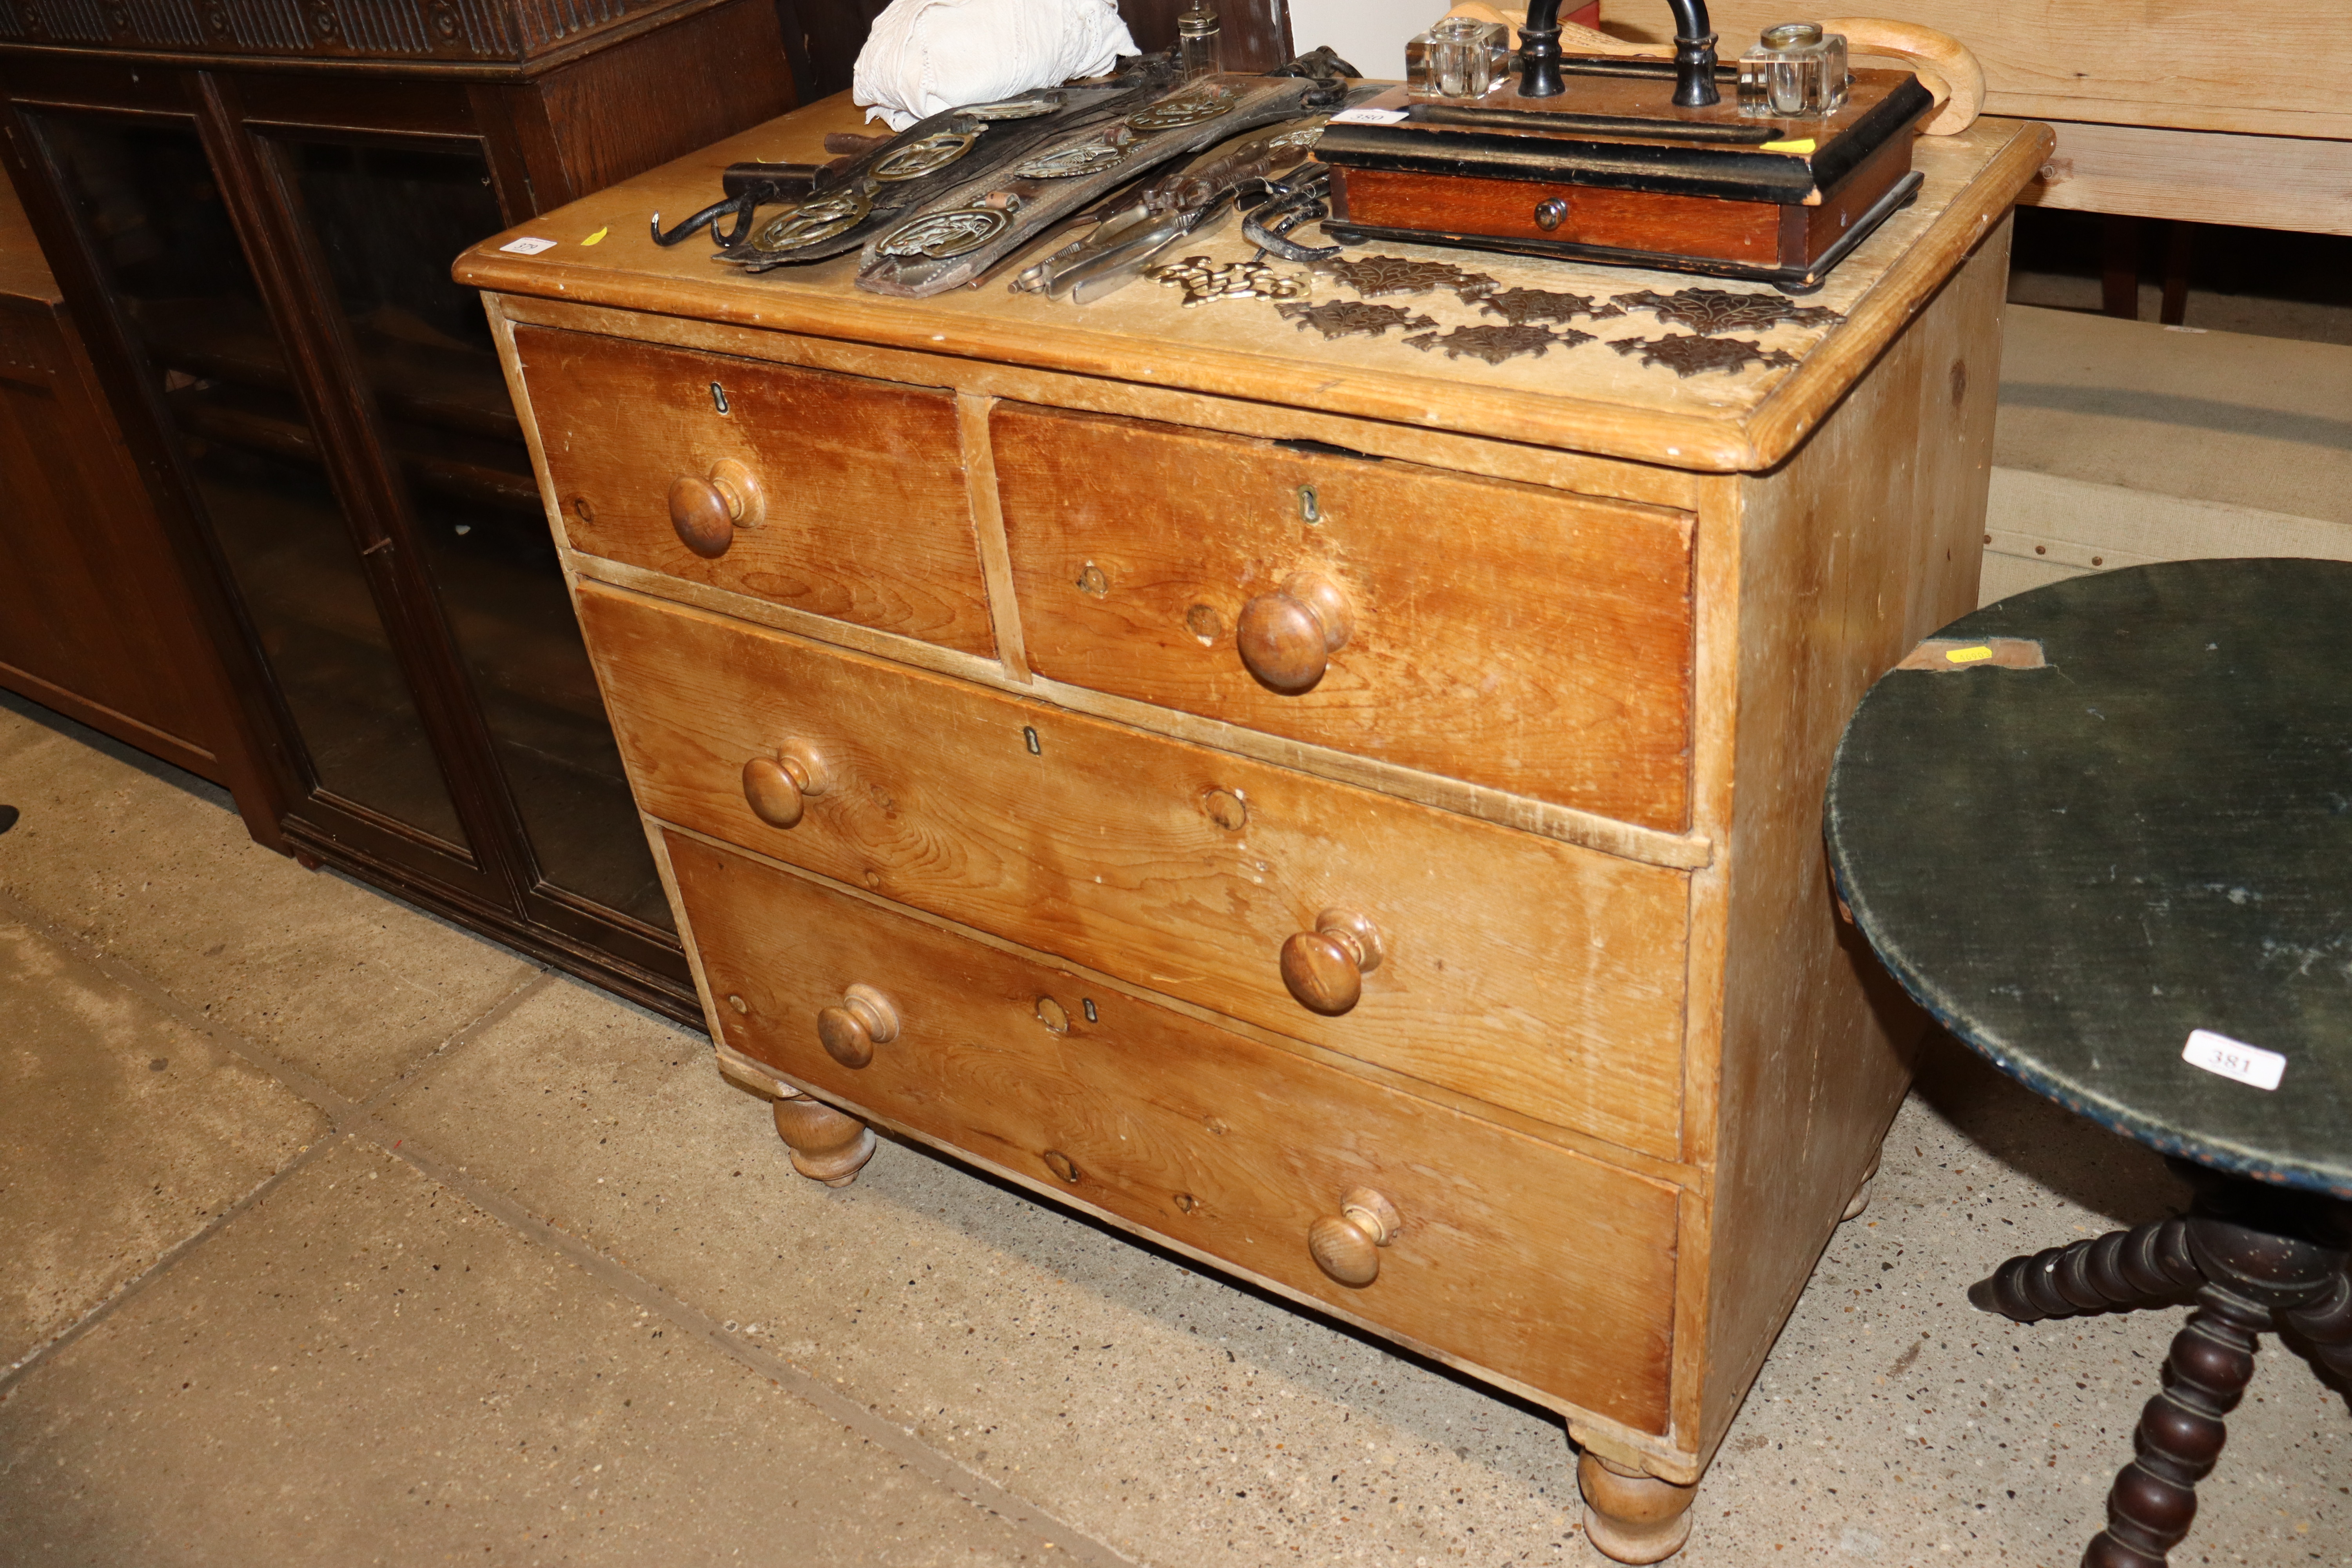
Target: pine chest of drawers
point(1347, 811)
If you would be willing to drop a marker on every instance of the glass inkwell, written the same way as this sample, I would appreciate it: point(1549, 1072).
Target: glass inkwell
point(1460, 57)
point(1796, 72)
point(1197, 49)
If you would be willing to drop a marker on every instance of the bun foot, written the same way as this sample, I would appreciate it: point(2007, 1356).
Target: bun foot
point(827, 1146)
point(1861, 1199)
point(1630, 1517)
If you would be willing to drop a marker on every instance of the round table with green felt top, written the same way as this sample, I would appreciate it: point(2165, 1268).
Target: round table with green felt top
point(2083, 825)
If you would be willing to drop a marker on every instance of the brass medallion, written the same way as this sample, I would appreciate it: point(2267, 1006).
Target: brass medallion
point(1084, 158)
point(1689, 354)
point(923, 156)
point(1345, 318)
point(1708, 311)
point(940, 235)
point(1496, 344)
point(818, 218)
point(1176, 114)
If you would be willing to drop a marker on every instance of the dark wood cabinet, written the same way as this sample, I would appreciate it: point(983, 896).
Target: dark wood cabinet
point(254, 229)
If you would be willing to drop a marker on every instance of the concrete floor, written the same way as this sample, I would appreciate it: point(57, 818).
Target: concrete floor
point(329, 1233)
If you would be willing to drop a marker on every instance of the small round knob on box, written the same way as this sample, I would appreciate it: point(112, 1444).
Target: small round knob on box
point(776, 788)
point(1551, 213)
point(1286, 640)
point(1345, 1246)
point(865, 1019)
point(706, 512)
point(1324, 969)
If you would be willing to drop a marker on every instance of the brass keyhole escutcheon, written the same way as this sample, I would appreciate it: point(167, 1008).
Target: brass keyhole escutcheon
point(1092, 582)
point(1053, 1016)
point(1062, 1166)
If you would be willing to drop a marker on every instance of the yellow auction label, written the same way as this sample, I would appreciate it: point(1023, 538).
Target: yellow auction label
point(1966, 654)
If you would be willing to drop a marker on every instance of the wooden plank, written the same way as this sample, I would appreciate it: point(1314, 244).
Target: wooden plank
point(1196, 1133)
point(862, 482)
point(1551, 657)
point(2220, 67)
point(2198, 176)
point(1847, 560)
point(1531, 974)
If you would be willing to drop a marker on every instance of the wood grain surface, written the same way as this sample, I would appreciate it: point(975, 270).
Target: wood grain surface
point(1625, 220)
point(1534, 975)
point(1586, 398)
point(866, 519)
point(1230, 1148)
point(1513, 637)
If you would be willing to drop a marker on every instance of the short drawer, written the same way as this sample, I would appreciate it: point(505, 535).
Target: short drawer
point(1515, 1254)
point(1500, 633)
point(1516, 969)
point(854, 492)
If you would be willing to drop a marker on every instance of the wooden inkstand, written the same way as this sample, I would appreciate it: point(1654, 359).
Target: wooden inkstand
point(1631, 160)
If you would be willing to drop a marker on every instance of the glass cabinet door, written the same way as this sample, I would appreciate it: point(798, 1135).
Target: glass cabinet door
point(165, 244)
point(388, 221)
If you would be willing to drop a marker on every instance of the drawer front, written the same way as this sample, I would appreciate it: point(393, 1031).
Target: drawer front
point(1516, 969)
point(1500, 633)
point(1514, 1254)
point(861, 509)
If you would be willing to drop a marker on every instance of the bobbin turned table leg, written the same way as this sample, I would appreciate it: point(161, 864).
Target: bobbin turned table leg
point(1631, 1517)
point(827, 1145)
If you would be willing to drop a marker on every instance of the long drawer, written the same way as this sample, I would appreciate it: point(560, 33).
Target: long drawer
point(1517, 1256)
point(856, 506)
point(1521, 971)
point(1505, 634)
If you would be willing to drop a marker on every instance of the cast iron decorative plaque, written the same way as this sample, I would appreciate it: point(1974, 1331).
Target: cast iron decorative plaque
point(1521, 306)
point(1496, 344)
point(1343, 318)
point(1376, 275)
point(1690, 354)
point(1708, 311)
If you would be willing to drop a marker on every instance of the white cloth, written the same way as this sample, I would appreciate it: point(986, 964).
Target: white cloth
point(927, 56)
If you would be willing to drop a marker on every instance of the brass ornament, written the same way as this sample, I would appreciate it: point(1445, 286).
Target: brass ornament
point(1346, 317)
point(816, 219)
point(940, 235)
point(1376, 275)
point(1176, 114)
point(1708, 311)
point(1496, 344)
point(926, 156)
point(1062, 162)
point(1689, 354)
point(1204, 281)
point(1521, 306)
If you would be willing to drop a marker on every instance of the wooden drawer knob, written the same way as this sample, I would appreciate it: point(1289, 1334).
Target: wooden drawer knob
point(1286, 640)
point(865, 1019)
point(1347, 1245)
point(707, 512)
point(1325, 968)
point(777, 787)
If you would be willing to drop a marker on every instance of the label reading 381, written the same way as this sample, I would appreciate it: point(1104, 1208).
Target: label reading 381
point(2233, 1058)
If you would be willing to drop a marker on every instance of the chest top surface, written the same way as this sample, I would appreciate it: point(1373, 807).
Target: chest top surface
point(1706, 385)
point(2128, 820)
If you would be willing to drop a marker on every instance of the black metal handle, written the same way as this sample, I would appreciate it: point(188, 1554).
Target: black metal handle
point(1539, 53)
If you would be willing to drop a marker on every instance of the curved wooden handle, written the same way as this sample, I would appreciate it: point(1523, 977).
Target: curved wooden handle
point(1286, 640)
point(865, 1019)
point(776, 788)
point(1345, 1246)
point(706, 512)
point(1944, 66)
point(1324, 969)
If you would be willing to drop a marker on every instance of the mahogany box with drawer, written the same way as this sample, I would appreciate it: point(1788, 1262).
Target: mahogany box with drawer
point(1349, 811)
